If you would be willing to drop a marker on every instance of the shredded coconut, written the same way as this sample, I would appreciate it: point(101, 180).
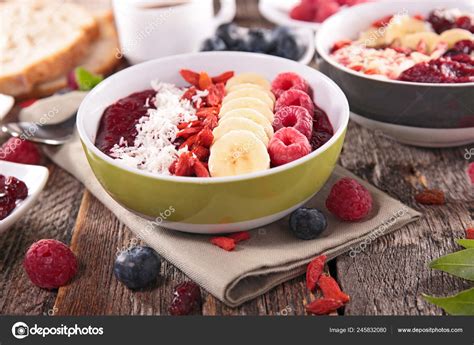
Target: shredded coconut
point(153, 149)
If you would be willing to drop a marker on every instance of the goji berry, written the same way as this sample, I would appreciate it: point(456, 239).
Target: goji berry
point(189, 142)
point(223, 78)
point(240, 236)
point(382, 21)
point(187, 132)
point(314, 270)
point(430, 197)
point(216, 95)
point(184, 166)
point(331, 289)
point(190, 76)
point(205, 138)
point(201, 152)
point(323, 306)
point(200, 169)
point(204, 81)
point(225, 243)
point(172, 168)
point(211, 121)
point(470, 234)
point(190, 93)
point(204, 112)
point(340, 44)
point(196, 123)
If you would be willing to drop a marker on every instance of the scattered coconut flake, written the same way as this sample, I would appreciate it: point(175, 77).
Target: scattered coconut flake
point(153, 149)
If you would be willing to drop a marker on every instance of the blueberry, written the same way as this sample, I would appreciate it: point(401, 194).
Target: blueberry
point(231, 34)
point(307, 223)
point(137, 267)
point(213, 44)
point(285, 43)
point(259, 40)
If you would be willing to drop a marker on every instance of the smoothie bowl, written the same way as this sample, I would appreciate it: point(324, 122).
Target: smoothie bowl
point(233, 148)
point(405, 63)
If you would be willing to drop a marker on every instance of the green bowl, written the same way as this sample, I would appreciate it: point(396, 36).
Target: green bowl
point(213, 205)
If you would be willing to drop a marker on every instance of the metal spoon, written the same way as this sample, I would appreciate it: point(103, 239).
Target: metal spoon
point(56, 134)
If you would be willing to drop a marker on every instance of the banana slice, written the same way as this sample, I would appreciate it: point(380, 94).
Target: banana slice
point(403, 25)
point(251, 78)
point(431, 39)
point(236, 153)
point(451, 37)
point(247, 102)
point(239, 123)
point(255, 93)
point(254, 116)
point(251, 86)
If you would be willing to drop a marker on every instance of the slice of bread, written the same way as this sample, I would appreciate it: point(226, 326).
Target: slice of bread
point(41, 40)
point(101, 59)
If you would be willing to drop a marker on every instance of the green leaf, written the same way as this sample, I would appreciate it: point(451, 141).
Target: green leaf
point(466, 243)
point(460, 304)
point(460, 264)
point(86, 80)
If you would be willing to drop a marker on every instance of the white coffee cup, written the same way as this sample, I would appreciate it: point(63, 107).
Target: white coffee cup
point(149, 29)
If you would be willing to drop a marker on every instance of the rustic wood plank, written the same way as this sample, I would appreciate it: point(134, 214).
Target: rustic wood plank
point(389, 277)
point(52, 217)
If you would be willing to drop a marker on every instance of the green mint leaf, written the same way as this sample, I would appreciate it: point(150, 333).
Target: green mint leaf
point(460, 264)
point(460, 304)
point(86, 80)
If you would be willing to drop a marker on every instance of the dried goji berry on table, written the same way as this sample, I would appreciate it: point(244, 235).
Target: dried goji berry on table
point(323, 306)
point(190, 76)
point(330, 289)
point(314, 270)
point(205, 137)
point(431, 197)
point(240, 236)
point(225, 243)
point(470, 234)
point(204, 81)
point(223, 78)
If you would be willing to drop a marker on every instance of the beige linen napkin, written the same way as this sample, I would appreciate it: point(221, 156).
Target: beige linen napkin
point(272, 255)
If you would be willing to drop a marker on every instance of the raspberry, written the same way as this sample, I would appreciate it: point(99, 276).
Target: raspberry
point(325, 10)
point(288, 81)
point(431, 197)
point(470, 234)
point(295, 97)
point(314, 270)
point(331, 289)
point(323, 306)
point(303, 12)
point(470, 172)
point(20, 151)
point(7, 205)
point(288, 145)
point(294, 116)
point(15, 188)
point(225, 243)
point(186, 299)
point(50, 264)
point(349, 200)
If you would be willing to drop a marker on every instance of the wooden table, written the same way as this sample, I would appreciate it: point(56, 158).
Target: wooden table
point(387, 279)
